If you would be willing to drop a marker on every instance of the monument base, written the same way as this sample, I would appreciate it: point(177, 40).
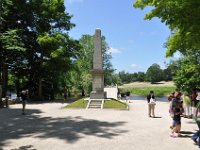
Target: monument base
point(97, 95)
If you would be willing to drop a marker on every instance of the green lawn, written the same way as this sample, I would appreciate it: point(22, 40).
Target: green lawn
point(113, 104)
point(144, 91)
point(81, 103)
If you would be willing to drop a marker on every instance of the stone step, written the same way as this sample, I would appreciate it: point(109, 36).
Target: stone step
point(95, 104)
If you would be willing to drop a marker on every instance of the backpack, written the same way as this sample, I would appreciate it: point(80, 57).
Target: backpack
point(174, 103)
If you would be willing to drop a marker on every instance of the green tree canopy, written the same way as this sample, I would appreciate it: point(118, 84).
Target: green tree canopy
point(183, 19)
point(40, 48)
point(154, 73)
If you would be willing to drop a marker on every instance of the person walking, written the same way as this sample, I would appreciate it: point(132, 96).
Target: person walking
point(177, 110)
point(151, 104)
point(65, 95)
point(24, 97)
point(127, 95)
point(197, 102)
point(194, 102)
point(186, 105)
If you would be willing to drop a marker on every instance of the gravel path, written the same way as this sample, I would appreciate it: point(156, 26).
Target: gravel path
point(49, 127)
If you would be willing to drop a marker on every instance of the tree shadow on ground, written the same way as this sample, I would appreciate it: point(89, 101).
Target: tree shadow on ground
point(157, 83)
point(62, 101)
point(15, 126)
point(186, 134)
point(27, 147)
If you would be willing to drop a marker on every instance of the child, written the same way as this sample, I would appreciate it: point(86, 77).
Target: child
point(177, 110)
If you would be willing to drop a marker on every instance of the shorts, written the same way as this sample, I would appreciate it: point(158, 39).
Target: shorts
point(176, 122)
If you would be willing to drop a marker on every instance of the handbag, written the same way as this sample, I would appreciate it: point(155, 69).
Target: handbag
point(152, 101)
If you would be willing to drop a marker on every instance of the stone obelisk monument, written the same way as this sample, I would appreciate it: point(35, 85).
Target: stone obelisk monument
point(97, 72)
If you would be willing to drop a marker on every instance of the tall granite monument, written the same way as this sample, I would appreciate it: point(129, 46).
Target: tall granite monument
point(97, 72)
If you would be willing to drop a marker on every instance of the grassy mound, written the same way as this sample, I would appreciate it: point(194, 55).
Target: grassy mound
point(114, 104)
point(111, 104)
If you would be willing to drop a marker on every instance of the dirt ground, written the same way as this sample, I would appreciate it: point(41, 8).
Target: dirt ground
point(49, 127)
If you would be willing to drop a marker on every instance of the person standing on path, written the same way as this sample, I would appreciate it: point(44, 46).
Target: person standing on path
point(186, 105)
point(24, 97)
point(151, 104)
point(194, 102)
point(127, 96)
point(65, 95)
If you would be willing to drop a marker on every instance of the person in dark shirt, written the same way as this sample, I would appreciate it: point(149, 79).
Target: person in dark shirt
point(24, 97)
point(65, 95)
point(177, 111)
point(151, 105)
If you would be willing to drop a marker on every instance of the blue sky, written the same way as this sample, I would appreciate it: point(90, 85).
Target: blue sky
point(135, 43)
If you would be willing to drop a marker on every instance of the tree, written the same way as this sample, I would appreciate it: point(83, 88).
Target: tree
point(183, 19)
point(42, 45)
point(123, 76)
point(187, 74)
point(52, 45)
point(83, 63)
point(154, 73)
point(11, 43)
point(107, 65)
point(141, 77)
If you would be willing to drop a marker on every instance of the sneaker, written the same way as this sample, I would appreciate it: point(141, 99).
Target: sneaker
point(172, 135)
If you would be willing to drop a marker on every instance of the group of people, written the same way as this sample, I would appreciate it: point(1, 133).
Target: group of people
point(180, 105)
point(189, 102)
point(184, 105)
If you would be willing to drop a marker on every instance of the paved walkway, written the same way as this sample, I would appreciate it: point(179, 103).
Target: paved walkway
point(48, 127)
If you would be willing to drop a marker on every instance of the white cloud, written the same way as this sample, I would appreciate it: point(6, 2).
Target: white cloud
point(74, 1)
point(134, 66)
point(114, 50)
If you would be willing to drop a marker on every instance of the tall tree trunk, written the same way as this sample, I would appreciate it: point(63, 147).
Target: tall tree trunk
point(4, 79)
point(31, 85)
point(17, 87)
point(52, 91)
point(83, 92)
point(40, 88)
point(4, 83)
point(1, 102)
